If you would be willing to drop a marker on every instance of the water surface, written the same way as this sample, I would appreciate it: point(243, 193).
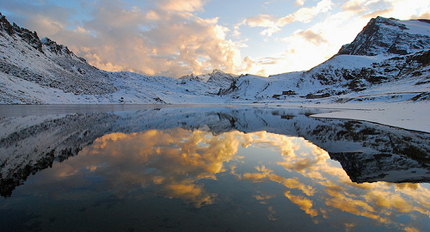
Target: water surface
point(208, 169)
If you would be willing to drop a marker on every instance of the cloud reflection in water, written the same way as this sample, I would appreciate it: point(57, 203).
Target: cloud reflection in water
point(175, 162)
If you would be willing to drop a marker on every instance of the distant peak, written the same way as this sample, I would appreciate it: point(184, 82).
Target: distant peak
point(387, 36)
point(217, 71)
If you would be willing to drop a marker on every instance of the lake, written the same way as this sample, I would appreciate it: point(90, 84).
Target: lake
point(207, 168)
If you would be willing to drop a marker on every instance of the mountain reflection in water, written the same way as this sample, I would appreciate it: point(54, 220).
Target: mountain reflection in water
point(209, 175)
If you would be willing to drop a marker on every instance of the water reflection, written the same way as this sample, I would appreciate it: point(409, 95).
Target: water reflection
point(191, 164)
point(225, 169)
point(171, 161)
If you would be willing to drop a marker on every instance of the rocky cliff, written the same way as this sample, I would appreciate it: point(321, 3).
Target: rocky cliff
point(44, 62)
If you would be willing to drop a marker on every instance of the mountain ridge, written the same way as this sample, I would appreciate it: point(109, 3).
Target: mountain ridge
point(46, 63)
point(387, 50)
point(386, 36)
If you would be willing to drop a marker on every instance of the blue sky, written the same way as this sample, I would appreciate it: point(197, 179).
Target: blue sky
point(179, 37)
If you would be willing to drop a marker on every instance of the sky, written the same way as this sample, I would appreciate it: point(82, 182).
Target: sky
point(179, 37)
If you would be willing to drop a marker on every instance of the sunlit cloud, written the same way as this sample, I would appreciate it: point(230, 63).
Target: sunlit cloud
point(165, 39)
point(175, 38)
point(159, 43)
point(267, 21)
point(325, 36)
point(180, 5)
point(274, 24)
point(300, 2)
point(311, 36)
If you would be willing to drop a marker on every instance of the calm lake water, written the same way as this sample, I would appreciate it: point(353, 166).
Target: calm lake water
point(143, 168)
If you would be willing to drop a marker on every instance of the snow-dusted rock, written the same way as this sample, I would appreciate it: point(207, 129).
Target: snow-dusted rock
point(45, 63)
point(382, 36)
point(388, 52)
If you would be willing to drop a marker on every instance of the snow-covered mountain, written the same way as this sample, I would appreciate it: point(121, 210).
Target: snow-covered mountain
point(383, 36)
point(26, 58)
point(388, 61)
point(40, 71)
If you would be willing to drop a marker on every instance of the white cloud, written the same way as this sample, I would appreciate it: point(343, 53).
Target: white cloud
point(300, 2)
point(180, 5)
point(306, 14)
point(273, 24)
point(167, 39)
point(310, 46)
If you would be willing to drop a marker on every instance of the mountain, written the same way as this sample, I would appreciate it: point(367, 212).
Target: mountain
point(382, 36)
point(217, 77)
point(46, 63)
point(387, 61)
point(40, 71)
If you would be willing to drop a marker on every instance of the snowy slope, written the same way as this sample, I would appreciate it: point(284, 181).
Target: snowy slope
point(390, 37)
point(46, 63)
point(136, 88)
point(40, 71)
point(386, 55)
point(388, 61)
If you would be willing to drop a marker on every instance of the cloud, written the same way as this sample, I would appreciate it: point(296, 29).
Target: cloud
point(158, 42)
point(311, 36)
point(377, 13)
point(422, 16)
point(251, 66)
point(343, 21)
point(164, 38)
point(169, 38)
point(180, 5)
point(300, 2)
point(354, 5)
point(43, 18)
point(306, 14)
point(274, 24)
point(368, 8)
point(264, 20)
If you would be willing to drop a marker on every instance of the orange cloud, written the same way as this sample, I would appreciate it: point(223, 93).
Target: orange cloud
point(304, 203)
point(311, 36)
point(165, 39)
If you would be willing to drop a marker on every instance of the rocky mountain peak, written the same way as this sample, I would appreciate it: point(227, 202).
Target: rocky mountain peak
point(218, 74)
point(389, 36)
point(215, 76)
point(58, 49)
point(32, 38)
point(46, 63)
point(26, 35)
